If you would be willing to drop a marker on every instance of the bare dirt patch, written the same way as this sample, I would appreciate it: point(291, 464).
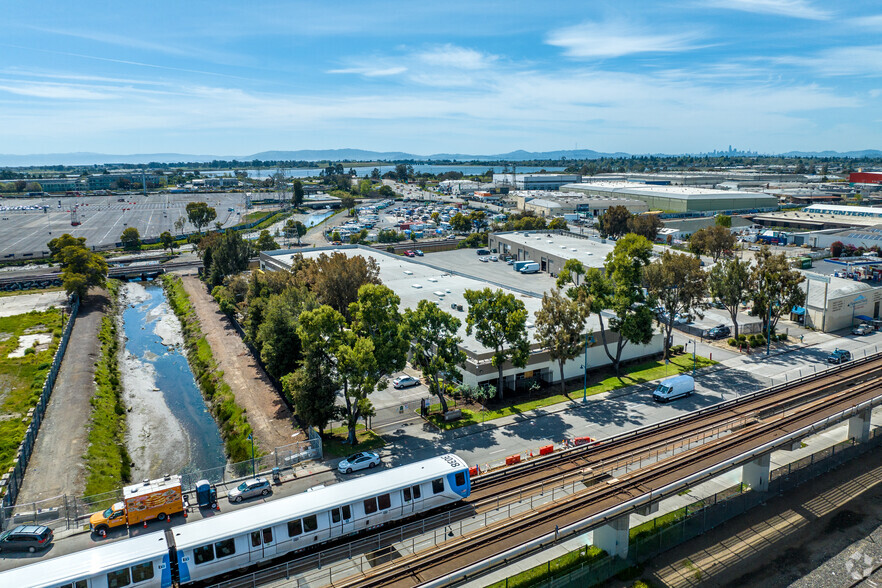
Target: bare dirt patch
point(273, 423)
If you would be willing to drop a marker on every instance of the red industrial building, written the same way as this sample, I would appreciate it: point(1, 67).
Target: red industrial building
point(865, 177)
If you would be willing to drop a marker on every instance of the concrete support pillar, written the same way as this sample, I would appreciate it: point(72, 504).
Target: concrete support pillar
point(756, 473)
point(649, 509)
point(859, 427)
point(613, 536)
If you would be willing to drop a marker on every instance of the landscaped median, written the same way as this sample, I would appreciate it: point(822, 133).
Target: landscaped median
point(632, 375)
point(230, 417)
point(334, 441)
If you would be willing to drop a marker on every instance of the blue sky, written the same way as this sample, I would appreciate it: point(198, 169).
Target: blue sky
point(235, 78)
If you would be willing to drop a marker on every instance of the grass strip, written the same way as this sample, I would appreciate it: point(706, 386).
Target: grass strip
point(231, 418)
point(22, 378)
point(633, 375)
point(334, 441)
point(552, 569)
point(107, 459)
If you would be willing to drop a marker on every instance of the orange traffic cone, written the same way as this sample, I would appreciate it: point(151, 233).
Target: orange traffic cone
point(103, 533)
point(185, 513)
point(145, 523)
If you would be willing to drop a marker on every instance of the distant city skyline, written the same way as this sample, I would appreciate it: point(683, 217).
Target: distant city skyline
point(685, 76)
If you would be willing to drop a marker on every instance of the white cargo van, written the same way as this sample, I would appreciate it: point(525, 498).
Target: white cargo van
point(671, 388)
point(530, 268)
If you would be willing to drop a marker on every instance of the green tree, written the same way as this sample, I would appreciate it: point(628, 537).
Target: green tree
point(179, 224)
point(677, 282)
point(713, 241)
point(774, 287)
point(347, 201)
point(434, 345)
point(645, 225)
point(386, 192)
point(619, 288)
point(729, 284)
point(375, 316)
point(277, 336)
point(265, 242)
point(296, 228)
point(130, 239)
point(66, 240)
point(460, 223)
point(227, 256)
point(560, 329)
point(558, 223)
point(297, 194)
point(83, 269)
point(200, 214)
point(312, 391)
point(499, 321)
point(614, 222)
point(365, 187)
point(168, 241)
point(336, 279)
point(723, 220)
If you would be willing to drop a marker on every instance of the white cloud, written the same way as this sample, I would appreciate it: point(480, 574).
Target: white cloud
point(610, 39)
point(841, 61)
point(453, 57)
point(53, 91)
point(873, 21)
point(370, 71)
point(792, 8)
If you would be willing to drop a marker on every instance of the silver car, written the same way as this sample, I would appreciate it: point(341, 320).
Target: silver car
point(250, 489)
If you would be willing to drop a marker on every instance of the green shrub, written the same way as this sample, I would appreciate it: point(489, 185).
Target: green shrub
point(676, 349)
point(732, 342)
point(742, 337)
point(30, 351)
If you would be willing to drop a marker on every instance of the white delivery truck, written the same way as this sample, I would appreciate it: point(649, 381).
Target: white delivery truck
point(671, 388)
point(530, 268)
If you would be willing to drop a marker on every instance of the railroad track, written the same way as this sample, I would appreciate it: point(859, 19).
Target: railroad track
point(458, 553)
point(640, 445)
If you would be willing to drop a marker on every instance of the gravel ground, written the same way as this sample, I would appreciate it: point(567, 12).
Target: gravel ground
point(22, 303)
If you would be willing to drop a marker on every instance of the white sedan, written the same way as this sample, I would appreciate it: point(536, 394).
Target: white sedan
point(359, 461)
point(404, 382)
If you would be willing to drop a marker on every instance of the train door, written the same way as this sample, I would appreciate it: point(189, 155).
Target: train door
point(262, 543)
point(411, 500)
point(342, 522)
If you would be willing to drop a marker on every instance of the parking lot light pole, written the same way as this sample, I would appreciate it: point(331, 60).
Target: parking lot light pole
point(251, 438)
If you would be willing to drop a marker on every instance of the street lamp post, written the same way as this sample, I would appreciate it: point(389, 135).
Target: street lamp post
point(585, 379)
point(251, 438)
point(693, 358)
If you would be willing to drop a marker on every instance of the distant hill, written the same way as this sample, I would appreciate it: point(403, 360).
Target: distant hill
point(346, 155)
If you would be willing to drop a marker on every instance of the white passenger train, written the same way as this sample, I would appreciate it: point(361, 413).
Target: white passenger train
point(219, 544)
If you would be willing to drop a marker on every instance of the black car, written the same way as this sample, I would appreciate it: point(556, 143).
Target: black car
point(719, 332)
point(26, 538)
point(839, 356)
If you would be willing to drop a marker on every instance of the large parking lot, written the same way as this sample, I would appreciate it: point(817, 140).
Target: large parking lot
point(25, 228)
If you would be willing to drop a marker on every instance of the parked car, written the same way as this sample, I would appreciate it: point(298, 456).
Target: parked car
point(404, 382)
point(719, 332)
point(359, 461)
point(250, 489)
point(28, 538)
point(682, 319)
point(839, 356)
point(494, 258)
point(410, 253)
point(419, 253)
point(862, 329)
point(484, 259)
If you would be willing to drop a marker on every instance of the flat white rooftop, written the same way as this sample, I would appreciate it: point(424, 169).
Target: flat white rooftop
point(679, 192)
point(591, 253)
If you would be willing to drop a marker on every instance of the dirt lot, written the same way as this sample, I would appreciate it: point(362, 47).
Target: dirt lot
point(56, 466)
point(269, 417)
point(815, 537)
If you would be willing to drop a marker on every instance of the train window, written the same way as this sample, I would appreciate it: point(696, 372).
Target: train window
point(225, 548)
point(438, 485)
point(460, 479)
point(294, 528)
point(77, 584)
point(203, 554)
point(370, 506)
point(142, 572)
point(335, 515)
point(119, 578)
point(255, 538)
point(347, 513)
point(268, 535)
point(310, 523)
point(416, 492)
point(385, 501)
point(407, 495)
